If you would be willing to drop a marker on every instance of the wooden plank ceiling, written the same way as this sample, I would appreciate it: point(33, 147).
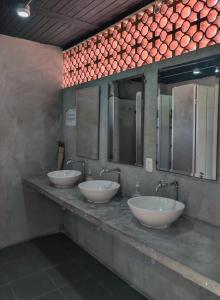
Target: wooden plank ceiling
point(64, 23)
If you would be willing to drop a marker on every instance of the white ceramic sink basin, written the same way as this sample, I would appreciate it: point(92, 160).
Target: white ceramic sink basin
point(64, 178)
point(155, 212)
point(99, 191)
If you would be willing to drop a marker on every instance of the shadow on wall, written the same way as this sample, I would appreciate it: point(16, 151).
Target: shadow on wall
point(43, 217)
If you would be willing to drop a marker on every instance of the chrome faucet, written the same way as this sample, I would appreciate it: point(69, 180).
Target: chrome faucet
point(163, 184)
point(82, 162)
point(116, 171)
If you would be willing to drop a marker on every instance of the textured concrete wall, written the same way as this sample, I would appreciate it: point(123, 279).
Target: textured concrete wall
point(143, 273)
point(30, 119)
point(201, 196)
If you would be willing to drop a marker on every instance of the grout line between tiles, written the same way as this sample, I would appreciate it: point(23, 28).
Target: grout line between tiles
point(63, 294)
point(13, 292)
point(38, 297)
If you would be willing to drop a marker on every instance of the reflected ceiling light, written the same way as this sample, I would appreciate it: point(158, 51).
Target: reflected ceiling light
point(217, 70)
point(23, 9)
point(196, 71)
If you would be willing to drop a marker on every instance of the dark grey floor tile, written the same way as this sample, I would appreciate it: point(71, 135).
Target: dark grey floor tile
point(89, 291)
point(19, 268)
point(76, 252)
point(71, 293)
point(48, 252)
point(3, 279)
point(56, 295)
point(62, 241)
point(73, 249)
point(128, 293)
point(6, 293)
point(102, 274)
point(58, 240)
point(93, 290)
point(66, 274)
point(13, 252)
point(6, 255)
point(110, 281)
point(67, 267)
point(89, 263)
point(32, 287)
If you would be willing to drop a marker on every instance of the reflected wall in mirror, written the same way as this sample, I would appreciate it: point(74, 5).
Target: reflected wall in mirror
point(187, 124)
point(125, 122)
point(87, 122)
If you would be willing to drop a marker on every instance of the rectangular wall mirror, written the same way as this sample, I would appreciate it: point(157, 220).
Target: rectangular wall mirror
point(125, 121)
point(187, 123)
point(87, 122)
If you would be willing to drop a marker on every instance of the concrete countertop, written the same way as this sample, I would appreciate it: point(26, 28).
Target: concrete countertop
point(189, 247)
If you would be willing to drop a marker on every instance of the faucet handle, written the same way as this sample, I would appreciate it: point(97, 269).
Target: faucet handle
point(69, 160)
point(175, 183)
point(163, 183)
point(103, 170)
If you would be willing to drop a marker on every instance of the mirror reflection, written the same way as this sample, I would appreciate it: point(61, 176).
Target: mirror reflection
point(187, 121)
point(87, 125)
point(125, 125)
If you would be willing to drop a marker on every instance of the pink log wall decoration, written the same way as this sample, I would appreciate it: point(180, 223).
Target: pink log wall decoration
point(144, 38)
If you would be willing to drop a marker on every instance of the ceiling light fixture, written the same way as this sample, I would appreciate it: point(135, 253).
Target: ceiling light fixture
point(196, 71)
point(23, 9)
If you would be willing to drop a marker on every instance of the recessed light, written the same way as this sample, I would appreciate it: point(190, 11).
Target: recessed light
point(23, 10)
point(196, 71)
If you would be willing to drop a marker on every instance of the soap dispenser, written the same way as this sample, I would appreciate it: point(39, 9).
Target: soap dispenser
point(89, 175)
point(137, 191)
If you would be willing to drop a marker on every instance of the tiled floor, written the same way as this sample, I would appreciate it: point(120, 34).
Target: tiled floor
point(54, 268)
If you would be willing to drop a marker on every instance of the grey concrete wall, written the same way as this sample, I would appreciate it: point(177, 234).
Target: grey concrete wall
point(201, 196)
point(143, 273)
point(30, 119)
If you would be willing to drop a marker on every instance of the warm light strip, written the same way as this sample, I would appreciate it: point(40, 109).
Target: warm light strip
point(144, 38)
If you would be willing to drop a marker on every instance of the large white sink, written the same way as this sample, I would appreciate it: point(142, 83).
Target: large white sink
point(99, 191)
point(64, 178)
point(155, 212)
